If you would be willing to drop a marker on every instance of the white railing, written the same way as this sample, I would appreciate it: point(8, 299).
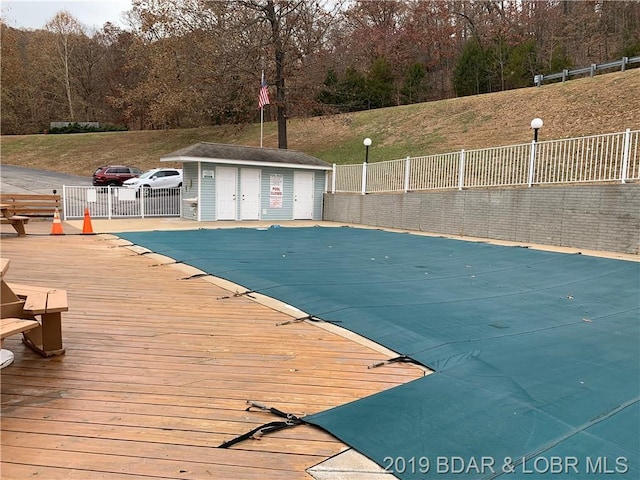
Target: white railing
point(385, 176)
point(348, 180)
point(434, 171)
point(492, 167)
point(121, 202)
point(598, 158)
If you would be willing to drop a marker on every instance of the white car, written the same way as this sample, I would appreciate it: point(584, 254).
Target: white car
point(156, 178)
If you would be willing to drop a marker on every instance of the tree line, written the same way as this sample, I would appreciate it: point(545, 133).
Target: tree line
point(186, 63)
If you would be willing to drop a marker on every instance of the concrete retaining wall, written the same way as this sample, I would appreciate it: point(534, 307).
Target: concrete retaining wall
point(594, 217)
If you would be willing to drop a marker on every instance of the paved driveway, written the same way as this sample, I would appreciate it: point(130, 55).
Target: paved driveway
point(28, 180)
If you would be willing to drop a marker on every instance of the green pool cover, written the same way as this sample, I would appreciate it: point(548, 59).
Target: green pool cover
point(536, 354)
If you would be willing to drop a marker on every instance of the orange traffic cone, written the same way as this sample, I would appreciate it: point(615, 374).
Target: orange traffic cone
point(56, 228)
point(87, 229)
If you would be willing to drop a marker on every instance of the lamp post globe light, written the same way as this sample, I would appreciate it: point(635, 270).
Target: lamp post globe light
point(536, 124)
point(367, 144)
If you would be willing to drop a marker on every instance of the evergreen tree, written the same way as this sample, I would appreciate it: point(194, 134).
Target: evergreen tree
point(379, 84)
point(415, 87)
point(329, 94)
point(353, 91)
point(472, 74)
point(521, 65)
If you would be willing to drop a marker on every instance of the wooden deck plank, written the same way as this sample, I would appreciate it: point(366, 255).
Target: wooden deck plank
point(15, 471)
point(212, 456)
point(153, 467)
point(158, 371)
point(170, 377)
point(295, 441)
point(213, 375)
point(189, 394)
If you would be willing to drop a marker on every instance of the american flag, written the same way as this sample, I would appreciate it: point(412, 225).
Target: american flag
point(263, 99)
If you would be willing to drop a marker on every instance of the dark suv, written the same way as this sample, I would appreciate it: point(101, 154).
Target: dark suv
point(114, 175)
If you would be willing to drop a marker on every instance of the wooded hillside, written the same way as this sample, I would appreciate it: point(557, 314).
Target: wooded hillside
point(603, 104)
point(194, 63)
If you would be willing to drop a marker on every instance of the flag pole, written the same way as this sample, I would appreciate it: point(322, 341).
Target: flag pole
point(261, 123)
point(263, 99)
point(261, 104)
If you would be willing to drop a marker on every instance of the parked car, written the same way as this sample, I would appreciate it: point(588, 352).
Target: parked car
point(114, 175)
point(155, 179)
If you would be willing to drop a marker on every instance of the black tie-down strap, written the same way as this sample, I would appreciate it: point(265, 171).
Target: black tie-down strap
point(311, 318)
point(290, 421)
point(238, 294)
point(399, 359)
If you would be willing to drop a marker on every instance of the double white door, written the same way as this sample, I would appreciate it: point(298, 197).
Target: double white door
point(227, 193)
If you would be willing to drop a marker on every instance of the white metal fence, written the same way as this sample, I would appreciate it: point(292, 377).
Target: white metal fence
point(120, 202)
point(611, 157)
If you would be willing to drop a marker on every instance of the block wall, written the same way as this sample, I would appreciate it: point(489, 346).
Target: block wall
point(594, 217)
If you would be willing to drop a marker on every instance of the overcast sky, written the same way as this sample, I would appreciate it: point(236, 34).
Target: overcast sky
point(29, 14)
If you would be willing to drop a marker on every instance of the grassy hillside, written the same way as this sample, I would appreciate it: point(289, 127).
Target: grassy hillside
point(603, 104)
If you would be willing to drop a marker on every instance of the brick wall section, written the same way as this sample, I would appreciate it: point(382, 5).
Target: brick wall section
point(595, 217)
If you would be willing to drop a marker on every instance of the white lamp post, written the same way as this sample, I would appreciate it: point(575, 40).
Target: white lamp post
point(536, 124)
point(367, 144)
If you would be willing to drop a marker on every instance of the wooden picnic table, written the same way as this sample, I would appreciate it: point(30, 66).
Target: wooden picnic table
point(4, 266)
point(34, 311)
point(16, 221)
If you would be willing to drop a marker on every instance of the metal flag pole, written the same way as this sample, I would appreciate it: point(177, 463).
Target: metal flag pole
point(263, 99)
point(261, 106)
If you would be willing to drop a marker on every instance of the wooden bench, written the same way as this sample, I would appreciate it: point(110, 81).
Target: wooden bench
point(31, 205)
point(48, 304)
point(16, 221)
point(11, 326)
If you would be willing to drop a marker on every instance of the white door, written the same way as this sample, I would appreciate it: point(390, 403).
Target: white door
point(303, 195)
point(250, 194)
point(226, 190)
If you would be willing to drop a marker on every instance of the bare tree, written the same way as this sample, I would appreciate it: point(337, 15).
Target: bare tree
point(66, 30)
point(295, 30)
point(278, 15)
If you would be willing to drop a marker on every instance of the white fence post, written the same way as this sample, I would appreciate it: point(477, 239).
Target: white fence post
point(109, 201)
point(64, 202)
point(532, 163)
point(624, 172)
point(364, 178)
point(461, 171)
point(333, 178)
point(141, 196)
point(407, 173)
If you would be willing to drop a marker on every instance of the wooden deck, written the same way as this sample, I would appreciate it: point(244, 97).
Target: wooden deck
point(158, 370)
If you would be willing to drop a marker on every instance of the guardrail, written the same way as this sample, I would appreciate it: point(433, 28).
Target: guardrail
point(591, 70)
point(613, 157)
point(121, 202)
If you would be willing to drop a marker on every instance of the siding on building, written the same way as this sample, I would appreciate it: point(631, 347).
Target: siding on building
point(207, 202)
point(204, 188)
point(286, 212)
point(189, 189)
point(319, 185)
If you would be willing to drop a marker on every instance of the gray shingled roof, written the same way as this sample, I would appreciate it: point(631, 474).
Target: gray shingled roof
point(240, 153)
